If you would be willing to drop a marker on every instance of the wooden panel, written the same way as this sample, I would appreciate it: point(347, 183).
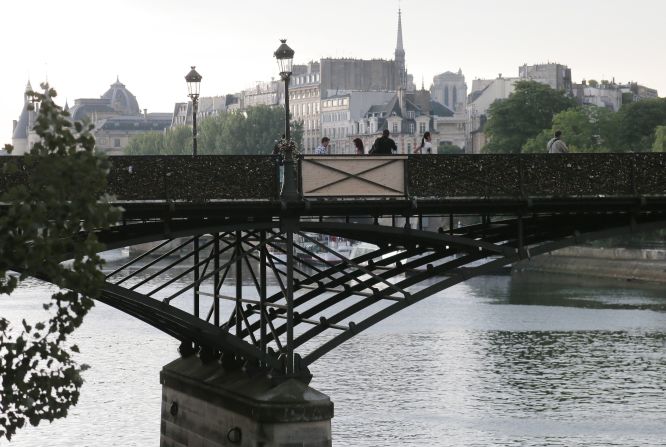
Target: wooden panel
point(353, 176)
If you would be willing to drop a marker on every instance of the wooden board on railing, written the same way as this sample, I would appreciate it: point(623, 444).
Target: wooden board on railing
point(353, 176)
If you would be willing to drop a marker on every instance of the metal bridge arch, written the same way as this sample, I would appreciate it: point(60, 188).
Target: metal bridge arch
point(312, 306)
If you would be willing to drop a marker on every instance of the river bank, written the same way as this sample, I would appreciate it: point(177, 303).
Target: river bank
point(625, 264)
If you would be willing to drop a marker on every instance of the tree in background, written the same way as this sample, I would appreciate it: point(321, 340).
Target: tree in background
point(446, 147)
point(523, 115)
point(174, 141)
point(638, 122)
point(659, 140)
point(49, 217)
point(584, 129)
point(251, 132)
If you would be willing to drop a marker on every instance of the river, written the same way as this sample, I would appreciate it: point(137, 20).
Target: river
point(523, 360)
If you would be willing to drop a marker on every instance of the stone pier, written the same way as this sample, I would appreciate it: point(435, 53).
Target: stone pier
point(205, 406)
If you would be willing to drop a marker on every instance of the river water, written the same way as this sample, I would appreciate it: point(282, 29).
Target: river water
point(496, 361)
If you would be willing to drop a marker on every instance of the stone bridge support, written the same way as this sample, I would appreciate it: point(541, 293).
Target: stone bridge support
point(205, 406)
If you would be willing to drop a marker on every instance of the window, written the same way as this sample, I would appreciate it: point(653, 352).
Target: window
point(412, 127)
point(395, 127)
point(116, 142)
point(421, 127)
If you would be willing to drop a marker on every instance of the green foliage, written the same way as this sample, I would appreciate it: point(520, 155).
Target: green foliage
point(297, 131)
point(593, 83)
point(234, 133)
point(175, 141)
point(638, 122)
point(445, 147)
point(49, 218)
point(660, 139)
point(529, 110)
point(584, 129)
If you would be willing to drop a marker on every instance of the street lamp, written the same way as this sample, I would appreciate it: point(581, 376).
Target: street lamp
point(285, 58)
point(193, 83)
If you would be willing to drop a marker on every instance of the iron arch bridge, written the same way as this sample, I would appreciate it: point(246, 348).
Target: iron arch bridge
point(361, 239)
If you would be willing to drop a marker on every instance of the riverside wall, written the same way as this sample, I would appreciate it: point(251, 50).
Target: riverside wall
point(626, 264)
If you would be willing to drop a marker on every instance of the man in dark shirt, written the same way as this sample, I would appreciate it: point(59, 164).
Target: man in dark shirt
point(383, 145)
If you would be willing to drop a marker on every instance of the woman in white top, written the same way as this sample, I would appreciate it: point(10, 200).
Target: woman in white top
point(426, 145)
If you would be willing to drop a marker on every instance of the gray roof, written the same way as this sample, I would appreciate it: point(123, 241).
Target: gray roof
point(121, 99)
point(21, 129)
point(439, 109)
point(154, 122)
point(86, 108)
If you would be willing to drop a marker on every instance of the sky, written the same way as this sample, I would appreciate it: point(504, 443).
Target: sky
point(81, 47)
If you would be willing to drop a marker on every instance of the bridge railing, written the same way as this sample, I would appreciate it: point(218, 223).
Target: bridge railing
point(193, 179)
point(256, 177)
point(537, 175)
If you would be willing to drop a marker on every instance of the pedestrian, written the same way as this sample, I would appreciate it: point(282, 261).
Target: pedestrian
point(322, 149)
point(358, 144)
point(556, 145)
point(426, 145)
point(384, 145)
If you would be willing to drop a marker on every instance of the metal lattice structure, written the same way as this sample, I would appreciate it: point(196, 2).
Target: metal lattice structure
point(214, 221)
point(307, 296)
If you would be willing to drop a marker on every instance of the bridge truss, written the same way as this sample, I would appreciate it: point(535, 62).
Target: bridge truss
point(306, 296)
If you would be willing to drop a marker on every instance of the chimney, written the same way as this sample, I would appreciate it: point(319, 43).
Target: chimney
point(145, 114)
point(401, 101)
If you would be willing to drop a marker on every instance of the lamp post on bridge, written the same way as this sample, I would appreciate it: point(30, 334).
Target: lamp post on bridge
point(193, 83)
point(285, 58)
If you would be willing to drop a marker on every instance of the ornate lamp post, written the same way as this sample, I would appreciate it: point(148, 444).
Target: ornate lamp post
point(193, 83)
point(285, 59)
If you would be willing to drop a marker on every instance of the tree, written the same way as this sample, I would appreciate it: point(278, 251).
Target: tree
point(446, 147)
point(251, 132)
point(584, 129)
point(660, 139)
point(49, 217)
point(523, 115)
point(638, 123)
point(175, 141)
point(296, 128)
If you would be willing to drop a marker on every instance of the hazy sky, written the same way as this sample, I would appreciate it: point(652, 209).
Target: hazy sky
point(81, 46)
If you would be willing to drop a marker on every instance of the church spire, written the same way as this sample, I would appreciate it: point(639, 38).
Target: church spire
point(401, 75)
point(398, 46)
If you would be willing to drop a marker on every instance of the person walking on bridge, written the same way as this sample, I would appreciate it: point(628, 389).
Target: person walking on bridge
point(383, 145)
point(322, 149)
point(556, 145)
point(358, 144)
point(426, 145)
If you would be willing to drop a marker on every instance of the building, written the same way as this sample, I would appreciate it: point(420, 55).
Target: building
point(113, 134)
point(484, 93)
point(115, 115)
point(22, 136)
point(407, 115)
point(606, 94)
point(450, 89)
point(305, 102)
point(340, 116)
point(557, 76)
point(367, 75)
point(207, 106)
point(636, 92)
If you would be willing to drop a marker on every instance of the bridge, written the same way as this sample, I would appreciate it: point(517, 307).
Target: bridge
point(217, 219)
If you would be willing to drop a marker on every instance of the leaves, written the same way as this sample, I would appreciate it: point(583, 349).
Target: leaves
point(529, 110)
point(584, 129)
point(50, 217)
point(234, 133)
